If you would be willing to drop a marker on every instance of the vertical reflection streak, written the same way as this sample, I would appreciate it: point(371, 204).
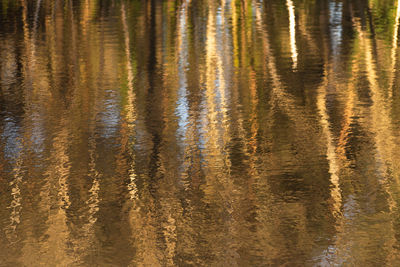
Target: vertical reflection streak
point(74, 54)
point(212, 87)
point(55, 193)
point(280, 97)
point(335, 28)
point(27, 44)
point(292, 31)
point(182, 108)
point(92, 201)
point(34, 31)
point(394, 49)
point(336, 253)
point(331, 151)
point(216, 121)
point(15, 183)
point(348, 119)
point(87, 235)
point(322, 97)
point(286, 102)
point(130, 106)
point(34, 85)
point(185, 121)
point(381, 129)
point(380, 116)
point(302, 27)
point(36, 15)
point(85, 16)
point(13, 142)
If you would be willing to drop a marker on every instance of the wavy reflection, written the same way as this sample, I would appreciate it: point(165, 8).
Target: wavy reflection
point(206, 133)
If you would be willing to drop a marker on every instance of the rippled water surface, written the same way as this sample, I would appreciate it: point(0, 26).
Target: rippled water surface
point(199, 133)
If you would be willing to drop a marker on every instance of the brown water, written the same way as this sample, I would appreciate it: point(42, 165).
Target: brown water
point(199, 133)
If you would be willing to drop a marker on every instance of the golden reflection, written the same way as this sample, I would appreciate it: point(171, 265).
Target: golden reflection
point(380, 116)
point(394, 48)
point(182, 108)
point(280, 97)
point(298, 116)
point(331, 150)
point(235, 33)
point(55, 193)
point(130, 106)
point(380, 127)
point(27, 42)
point(215, 124)
point(302, 27)
point(85, 16)
point(348, 120)
point(162, 133)
point(15, 142)
point(15, 205)
point(55, 248)
point(93, 201)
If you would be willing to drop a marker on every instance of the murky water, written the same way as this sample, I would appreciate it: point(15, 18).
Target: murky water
point(199, 133)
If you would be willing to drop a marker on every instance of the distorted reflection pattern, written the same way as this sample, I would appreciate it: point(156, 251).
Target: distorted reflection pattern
point(199, 133)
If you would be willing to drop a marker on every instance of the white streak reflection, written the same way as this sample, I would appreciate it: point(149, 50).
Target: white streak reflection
point(292, 30)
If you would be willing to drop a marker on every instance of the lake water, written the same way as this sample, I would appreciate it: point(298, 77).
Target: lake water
point(199, 133)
